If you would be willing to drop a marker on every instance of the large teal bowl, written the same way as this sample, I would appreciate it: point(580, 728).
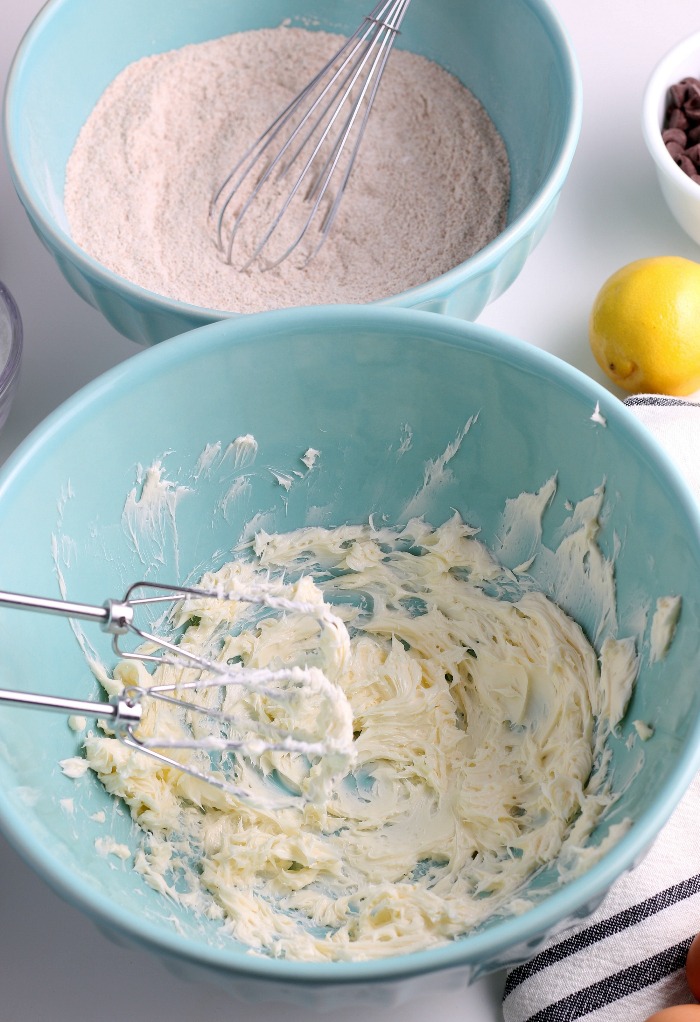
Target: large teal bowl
point(382, 394)
point(513, 54)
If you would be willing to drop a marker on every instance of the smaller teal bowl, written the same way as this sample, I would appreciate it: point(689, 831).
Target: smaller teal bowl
point(513, 54)
point(384, 395)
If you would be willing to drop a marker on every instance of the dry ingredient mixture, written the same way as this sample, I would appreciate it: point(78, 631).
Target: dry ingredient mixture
point(480, 716)
point(430, 189)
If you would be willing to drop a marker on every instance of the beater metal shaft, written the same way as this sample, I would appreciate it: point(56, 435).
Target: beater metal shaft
point(124, 712)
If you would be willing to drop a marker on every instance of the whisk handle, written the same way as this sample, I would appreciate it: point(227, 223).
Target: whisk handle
point(121, 712)
point(115, 616)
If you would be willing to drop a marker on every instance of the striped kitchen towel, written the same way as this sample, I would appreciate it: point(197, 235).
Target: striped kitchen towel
point(676, 425)
point(627, 960)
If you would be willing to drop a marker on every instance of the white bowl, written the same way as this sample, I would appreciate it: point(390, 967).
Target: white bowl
point(682, 194)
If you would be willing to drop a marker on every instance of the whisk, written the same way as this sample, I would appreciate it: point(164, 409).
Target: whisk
point(319, 134)
point(123, 713)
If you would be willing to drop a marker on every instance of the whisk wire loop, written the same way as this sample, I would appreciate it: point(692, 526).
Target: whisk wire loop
point(320, 186)
point(351, 77)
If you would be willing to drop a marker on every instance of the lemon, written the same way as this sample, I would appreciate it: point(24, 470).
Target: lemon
point(644, 328)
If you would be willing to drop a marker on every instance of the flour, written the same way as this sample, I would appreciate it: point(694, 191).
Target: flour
point(429, 190)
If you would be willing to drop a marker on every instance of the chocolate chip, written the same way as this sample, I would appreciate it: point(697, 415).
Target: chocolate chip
point(676, 119)
point(686, 165)
point(674, 135)
point(677, 95)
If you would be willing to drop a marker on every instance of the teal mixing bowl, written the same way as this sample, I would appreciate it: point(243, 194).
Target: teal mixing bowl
point(513, 54)
point(384, 396)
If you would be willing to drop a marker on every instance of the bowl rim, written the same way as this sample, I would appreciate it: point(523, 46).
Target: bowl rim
point(655, 92)
point(481, 263)
point(563, 905)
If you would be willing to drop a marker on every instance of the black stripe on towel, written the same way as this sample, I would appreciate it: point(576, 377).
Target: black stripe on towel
point(613, 988)
point(657, 401)
point(605, 928)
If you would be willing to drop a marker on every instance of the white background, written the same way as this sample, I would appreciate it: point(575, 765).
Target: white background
point(54, 964)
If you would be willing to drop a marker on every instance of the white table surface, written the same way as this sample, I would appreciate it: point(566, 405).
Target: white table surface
point(54, 964)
